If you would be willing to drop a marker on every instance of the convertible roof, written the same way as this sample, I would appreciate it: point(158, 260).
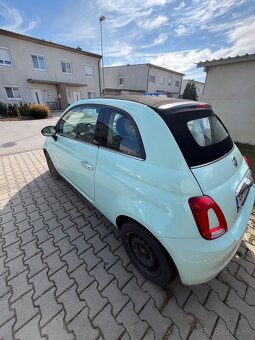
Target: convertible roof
point(152, 101)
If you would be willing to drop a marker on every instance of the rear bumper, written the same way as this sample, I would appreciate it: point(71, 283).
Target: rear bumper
point(199, 260)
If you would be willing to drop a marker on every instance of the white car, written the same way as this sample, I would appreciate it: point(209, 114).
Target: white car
point(165, 172)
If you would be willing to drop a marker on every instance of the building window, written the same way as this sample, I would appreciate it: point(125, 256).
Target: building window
point(89, 70)
point(170, 81)
point(92, 94)
point(66, 67)
point(5, 56)
point(152, 79)
point(177, 83)
point(162, 80)
point(121, 81)
point(12, 92)
point(38, 62)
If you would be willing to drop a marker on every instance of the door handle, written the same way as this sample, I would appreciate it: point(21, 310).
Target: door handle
point(86, 165)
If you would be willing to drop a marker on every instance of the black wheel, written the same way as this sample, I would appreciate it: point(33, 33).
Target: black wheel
point(53, 171)
point(147, 254)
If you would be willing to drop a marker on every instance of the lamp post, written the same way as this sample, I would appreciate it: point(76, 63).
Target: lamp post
point(102, 18)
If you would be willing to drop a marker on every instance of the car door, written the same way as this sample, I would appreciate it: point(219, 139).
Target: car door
point(76, 147)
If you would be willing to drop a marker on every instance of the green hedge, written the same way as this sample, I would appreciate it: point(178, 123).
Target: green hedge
point(36, 111)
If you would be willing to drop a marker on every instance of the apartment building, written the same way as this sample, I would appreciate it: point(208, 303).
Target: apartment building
point(142, 78)
point(39, 71)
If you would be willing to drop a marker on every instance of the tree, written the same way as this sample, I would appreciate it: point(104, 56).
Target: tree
point(190, 91)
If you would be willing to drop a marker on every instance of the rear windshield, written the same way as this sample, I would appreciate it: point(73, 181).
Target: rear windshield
point(200, 134)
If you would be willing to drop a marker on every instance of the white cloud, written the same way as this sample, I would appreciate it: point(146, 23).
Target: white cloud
point(180, 6)
point(157, 41)
point(181, 30)
point(152, 23)
point(242, 37)
point(15, 19)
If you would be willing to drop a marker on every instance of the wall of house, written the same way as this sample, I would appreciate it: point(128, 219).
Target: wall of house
point(134, 77)
point(230, 89)
point(22, 69)
point(172, 90)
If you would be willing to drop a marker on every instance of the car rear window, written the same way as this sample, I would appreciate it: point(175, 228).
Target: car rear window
point(200, 134)
point(207, 130)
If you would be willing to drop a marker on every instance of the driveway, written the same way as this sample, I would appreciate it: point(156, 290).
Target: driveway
point(20, 136)
point(64, 273)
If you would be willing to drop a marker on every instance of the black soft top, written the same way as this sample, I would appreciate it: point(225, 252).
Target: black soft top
point(152, 101)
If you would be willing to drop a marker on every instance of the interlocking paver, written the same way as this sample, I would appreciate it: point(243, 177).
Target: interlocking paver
point(229, 315)
point(106, 322)
point(93, 299)
point(82, 278)
point(62, 280)
point(41, 283)
point(117, 299)
point(71, 302)
point(120, 273)
point(19, 285)
point(56, 329)
point(204, 316)
point(30, 331)
point(155, 319)
point(175, 313)
point(48, 306)
point(25, 310)
point(82, 327)
point(136, 294)
point(64, 272)
point(16, 266)
point(131, 321)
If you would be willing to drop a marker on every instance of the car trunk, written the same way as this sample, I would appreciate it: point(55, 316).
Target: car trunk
point(216, 163)
point(222, 180)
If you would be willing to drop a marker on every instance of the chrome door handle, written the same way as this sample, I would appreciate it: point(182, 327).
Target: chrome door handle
point(86, 165)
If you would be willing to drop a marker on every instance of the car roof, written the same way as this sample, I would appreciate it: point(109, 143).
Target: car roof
point(154, 101)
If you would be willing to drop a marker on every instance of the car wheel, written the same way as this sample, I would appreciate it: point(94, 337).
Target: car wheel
point(147, 254)
point(53, 171)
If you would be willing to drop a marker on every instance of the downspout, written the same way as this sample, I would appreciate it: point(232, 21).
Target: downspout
point(148, 79)
point(180, 87)
point(99, 77)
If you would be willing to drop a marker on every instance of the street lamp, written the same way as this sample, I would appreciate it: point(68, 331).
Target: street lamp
point(102, 18)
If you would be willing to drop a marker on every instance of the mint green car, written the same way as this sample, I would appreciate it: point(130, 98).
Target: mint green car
point(165, 172)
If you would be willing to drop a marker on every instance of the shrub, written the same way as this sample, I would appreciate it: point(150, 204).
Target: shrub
point(3, 109)
point(24, 109)
point(39, 111)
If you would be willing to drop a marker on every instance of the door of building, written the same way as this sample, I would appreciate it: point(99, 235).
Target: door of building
point(37, 96)
point(77, 95)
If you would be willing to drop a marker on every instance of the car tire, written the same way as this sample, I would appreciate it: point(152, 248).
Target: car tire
point(53, 171)
point(147, 254)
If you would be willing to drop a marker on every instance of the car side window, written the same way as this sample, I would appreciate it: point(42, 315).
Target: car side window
point(80, 123)
point(122, 134)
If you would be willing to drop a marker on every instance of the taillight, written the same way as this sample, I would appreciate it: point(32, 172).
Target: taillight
point(247, 161)
point(200, 207)
point(202, 106)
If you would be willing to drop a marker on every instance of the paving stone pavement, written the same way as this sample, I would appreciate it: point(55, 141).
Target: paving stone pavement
point(64, 273)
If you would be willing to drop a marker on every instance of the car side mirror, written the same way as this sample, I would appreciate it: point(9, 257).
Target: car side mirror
point(49, 131)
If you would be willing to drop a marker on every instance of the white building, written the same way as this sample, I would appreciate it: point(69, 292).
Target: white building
point(39, 71)
point(142, 78)
point(199, 86)
point(230, 89)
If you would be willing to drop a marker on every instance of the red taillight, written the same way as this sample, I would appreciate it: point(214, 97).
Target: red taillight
point(202, 106)
point(200, 207)
point(247, 161)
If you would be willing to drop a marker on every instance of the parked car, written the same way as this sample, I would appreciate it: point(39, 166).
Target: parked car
point(165, 172)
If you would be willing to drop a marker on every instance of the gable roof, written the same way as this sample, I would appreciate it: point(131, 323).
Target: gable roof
point(229, 60)
point(47, 43)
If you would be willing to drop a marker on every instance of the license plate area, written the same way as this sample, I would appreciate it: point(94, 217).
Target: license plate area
point(243, 189)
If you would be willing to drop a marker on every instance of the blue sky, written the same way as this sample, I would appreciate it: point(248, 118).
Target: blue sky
point(168, 33)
